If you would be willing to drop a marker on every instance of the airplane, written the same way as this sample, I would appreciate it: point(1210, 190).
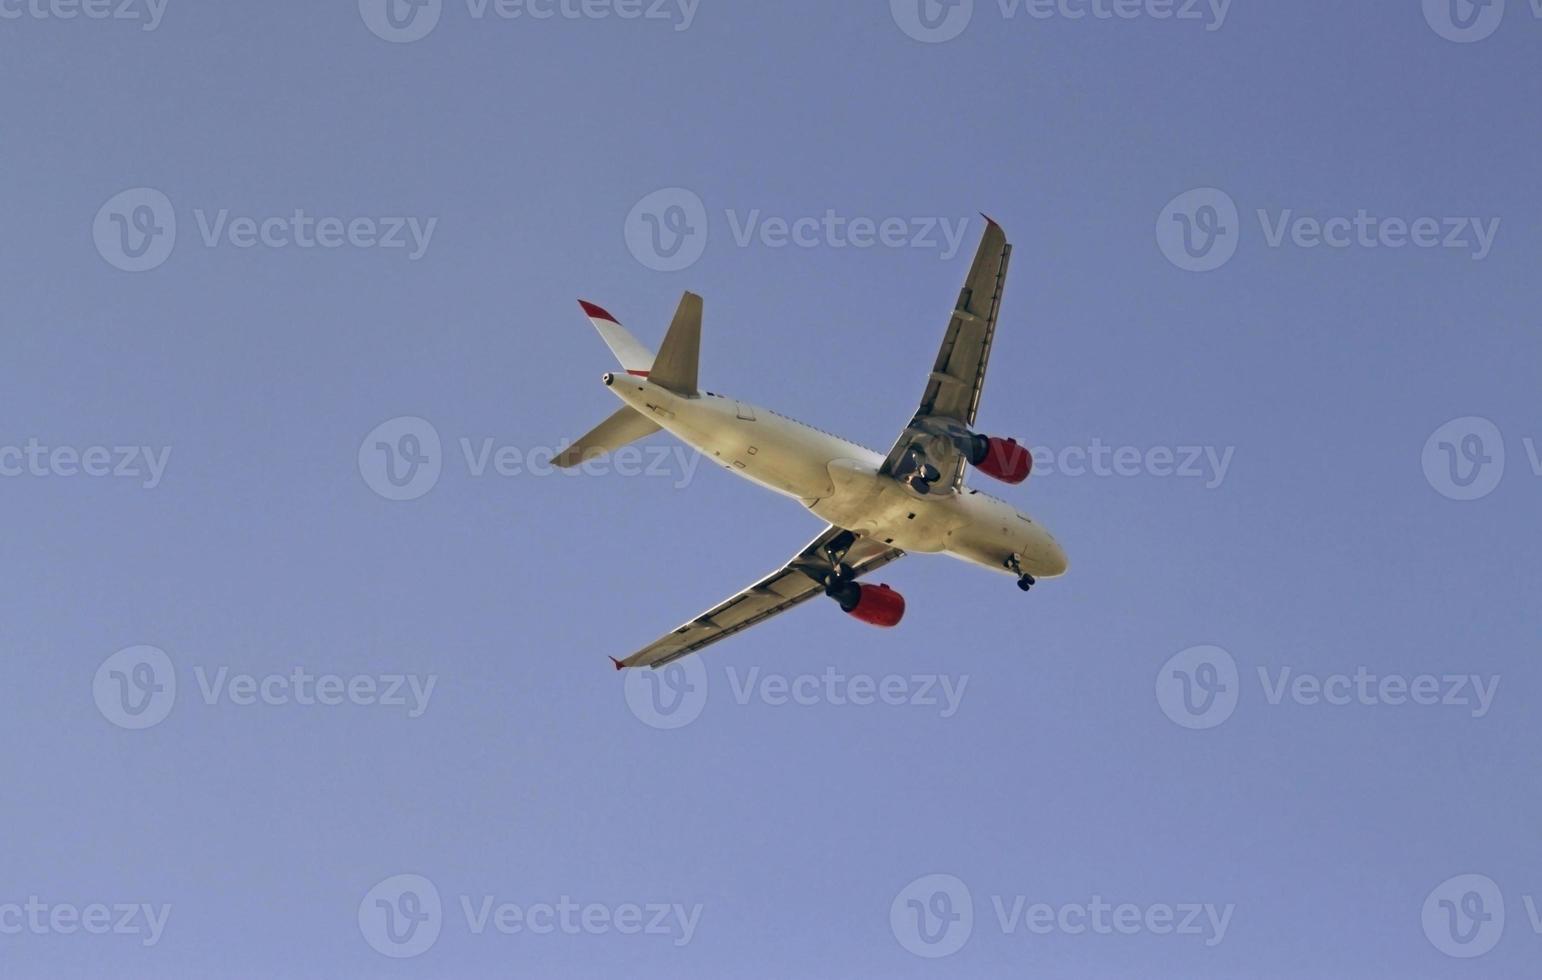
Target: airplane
point(877, 507)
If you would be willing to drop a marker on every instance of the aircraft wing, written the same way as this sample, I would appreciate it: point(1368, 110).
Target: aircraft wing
point(799, 580)
point(952, 396)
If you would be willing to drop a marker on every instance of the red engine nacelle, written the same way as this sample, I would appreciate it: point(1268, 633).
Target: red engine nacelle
point(1003, 459)
point(876, 605)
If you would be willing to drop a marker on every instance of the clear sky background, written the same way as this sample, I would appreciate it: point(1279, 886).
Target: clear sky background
point(1331, 544)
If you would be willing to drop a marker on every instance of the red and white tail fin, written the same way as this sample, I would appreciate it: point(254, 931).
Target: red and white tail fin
point(634, 357)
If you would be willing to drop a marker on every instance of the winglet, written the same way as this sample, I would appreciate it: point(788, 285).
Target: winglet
point(597, 312)
point(619, 664)
point(989, 220)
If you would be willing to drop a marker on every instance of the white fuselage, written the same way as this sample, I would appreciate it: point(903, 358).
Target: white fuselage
point(839, 481)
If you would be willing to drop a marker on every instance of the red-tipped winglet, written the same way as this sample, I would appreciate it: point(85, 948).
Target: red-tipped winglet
point(619, 664)
point(598, 312)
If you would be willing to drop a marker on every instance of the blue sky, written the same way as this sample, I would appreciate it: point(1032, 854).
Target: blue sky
point(1271, 325)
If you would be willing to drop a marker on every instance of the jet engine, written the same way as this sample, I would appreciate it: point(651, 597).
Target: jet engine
point(1003, 459)
point(876, 605)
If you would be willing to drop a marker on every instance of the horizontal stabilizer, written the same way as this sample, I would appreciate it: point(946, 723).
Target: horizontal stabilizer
point(627, 425)
point(675, 367)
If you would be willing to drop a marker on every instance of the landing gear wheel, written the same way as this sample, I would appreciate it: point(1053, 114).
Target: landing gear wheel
point(840, 587)
point(1024, 580)
point(835, 550)
point(923, 487)
point(930, 473)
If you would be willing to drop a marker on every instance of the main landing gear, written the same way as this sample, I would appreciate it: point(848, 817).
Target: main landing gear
point(915, 472)
point(925, 476)
point(840, 581)
point(840, 574)
point(1024, 580)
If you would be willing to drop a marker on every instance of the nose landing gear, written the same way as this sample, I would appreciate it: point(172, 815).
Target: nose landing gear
point(1024, 580)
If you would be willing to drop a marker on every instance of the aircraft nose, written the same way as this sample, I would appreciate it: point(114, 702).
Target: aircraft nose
point(1056, 561)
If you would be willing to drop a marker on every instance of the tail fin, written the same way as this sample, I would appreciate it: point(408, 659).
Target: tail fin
point(675, 367)
point(634, 357)
point(624, 426)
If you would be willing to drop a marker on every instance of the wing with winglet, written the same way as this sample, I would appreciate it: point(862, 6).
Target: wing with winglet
point(952, 396)
point(796, 582)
